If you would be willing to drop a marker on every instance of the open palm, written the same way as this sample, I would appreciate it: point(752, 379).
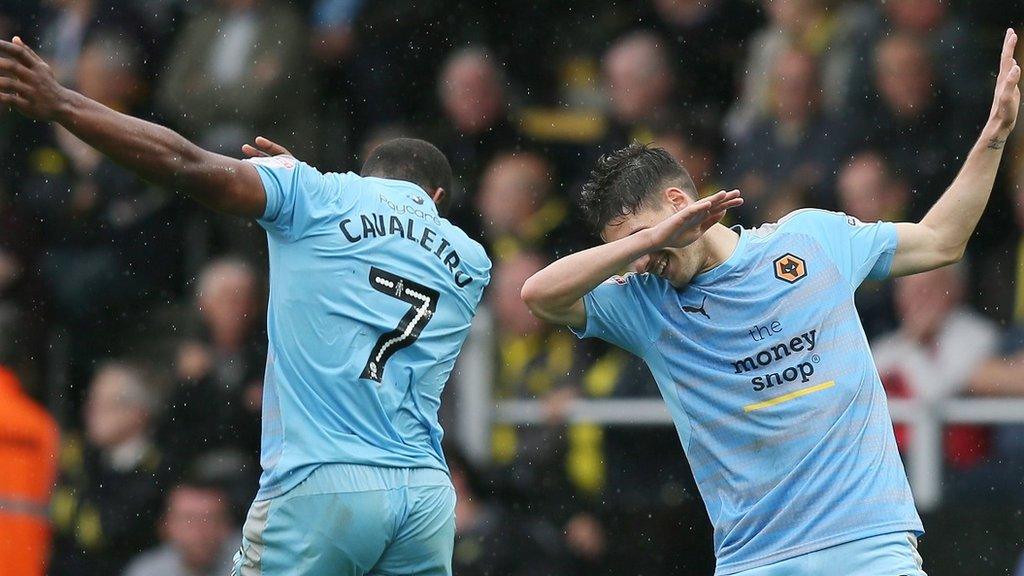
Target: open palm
point(1006, 102)
point(692, 221)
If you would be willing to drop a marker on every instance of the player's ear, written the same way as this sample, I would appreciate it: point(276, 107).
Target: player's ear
point(677, 198)
point(438, 196)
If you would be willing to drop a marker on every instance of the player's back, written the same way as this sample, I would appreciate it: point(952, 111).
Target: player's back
point(371, 297)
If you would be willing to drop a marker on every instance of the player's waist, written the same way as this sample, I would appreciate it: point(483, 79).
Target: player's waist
point(336, 478)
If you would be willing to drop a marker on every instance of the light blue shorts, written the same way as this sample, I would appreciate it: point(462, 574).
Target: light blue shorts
point(352, 520)
point(893, 554)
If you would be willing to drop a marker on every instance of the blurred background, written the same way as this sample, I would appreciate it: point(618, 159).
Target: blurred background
point(132, 321)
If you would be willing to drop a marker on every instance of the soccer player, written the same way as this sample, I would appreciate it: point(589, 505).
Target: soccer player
point(372, 292)
point(758, 351)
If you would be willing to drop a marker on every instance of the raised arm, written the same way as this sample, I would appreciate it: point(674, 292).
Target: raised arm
point(157, 154)
point(555, 294)
point(940, 238)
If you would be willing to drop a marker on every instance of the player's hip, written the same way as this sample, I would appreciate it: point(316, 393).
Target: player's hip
point(351, 519)
point(892, 554)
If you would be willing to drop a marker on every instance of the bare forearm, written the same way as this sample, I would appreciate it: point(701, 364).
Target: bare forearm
point(955, 215)
point(565, 282)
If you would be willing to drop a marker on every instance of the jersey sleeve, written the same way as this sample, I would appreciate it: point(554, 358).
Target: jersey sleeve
point(861, 250)
point(616, 313)
point(297, 195)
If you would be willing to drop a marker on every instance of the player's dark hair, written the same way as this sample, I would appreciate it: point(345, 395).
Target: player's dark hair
point(627, 179)
point(416, 161)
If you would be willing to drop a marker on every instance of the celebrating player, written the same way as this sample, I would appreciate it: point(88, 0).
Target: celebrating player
point(758, 350)
point(371, 296)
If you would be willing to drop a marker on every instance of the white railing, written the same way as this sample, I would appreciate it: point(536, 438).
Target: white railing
point(477, 412)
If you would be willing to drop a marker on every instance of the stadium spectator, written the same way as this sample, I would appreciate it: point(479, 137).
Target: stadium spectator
point(99, 219)
point(555, 468)
point(477, 123)
point(237, 72)
point(106, 239)
point(791, 154)
point(29, 441)
point(489, 539)
point(869, 191)
point(931, 356)
point(640, 82)
point(912, 122)
point(519, 207)
point(696, 146)
point(1002, 375)
point(705, 39)
point(951, 40)
point(218, 392)
point(65, 31)
point(655, 495)
point(472, 92)
point(17, 251)
point(828, 31)
point(198, 533)
point(534, 362)
point(109, 489)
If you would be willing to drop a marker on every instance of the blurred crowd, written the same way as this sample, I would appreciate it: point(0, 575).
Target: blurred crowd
point(132, 321)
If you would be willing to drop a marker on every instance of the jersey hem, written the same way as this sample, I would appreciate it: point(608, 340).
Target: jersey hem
point(815, 546)
point(274, 491)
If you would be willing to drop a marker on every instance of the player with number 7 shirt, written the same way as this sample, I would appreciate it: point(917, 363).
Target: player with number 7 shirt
point(372, 292)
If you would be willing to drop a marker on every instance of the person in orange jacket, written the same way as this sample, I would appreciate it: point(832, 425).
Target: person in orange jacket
point(29, 441)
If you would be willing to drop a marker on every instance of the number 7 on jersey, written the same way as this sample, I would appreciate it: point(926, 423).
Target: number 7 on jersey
point(423, 301)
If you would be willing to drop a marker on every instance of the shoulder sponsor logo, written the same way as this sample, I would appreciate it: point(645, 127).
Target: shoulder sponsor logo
point(286, 162)
point(620, 280)
point(790, 268)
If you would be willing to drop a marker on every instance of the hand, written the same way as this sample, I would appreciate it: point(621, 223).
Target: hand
point(264, 148)
point(1006, 103)
point(27, 83)
point(690, 223)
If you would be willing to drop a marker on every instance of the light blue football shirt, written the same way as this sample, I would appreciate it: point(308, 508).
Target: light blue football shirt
point(768, 377)
point(371, 297)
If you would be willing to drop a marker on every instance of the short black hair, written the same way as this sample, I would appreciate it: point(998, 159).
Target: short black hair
point(628, 178)
point(412, 160)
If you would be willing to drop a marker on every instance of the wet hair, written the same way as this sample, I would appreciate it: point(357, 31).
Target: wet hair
point(626, 180)
point(416, 161)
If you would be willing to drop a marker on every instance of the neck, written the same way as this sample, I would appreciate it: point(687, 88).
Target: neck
point(718, 244)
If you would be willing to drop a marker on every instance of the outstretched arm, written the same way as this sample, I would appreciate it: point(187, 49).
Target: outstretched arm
point(940, 238)
point(556, 293)
point(157, 154)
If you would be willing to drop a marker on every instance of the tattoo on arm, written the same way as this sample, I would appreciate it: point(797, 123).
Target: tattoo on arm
point(996, 143)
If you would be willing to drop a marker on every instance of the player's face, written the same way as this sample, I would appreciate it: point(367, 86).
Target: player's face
point(677, 265)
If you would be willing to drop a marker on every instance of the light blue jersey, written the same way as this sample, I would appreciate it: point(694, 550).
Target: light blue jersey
point(371, 298)
point(767, 374)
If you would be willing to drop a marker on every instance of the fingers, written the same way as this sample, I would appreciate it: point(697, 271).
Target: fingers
point(252, 152)
point(722, 199)
point(18, 52)
point(13, 100)
point(12, 68)
point(11, 85)
point(1009, 45)
point(270, 147)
